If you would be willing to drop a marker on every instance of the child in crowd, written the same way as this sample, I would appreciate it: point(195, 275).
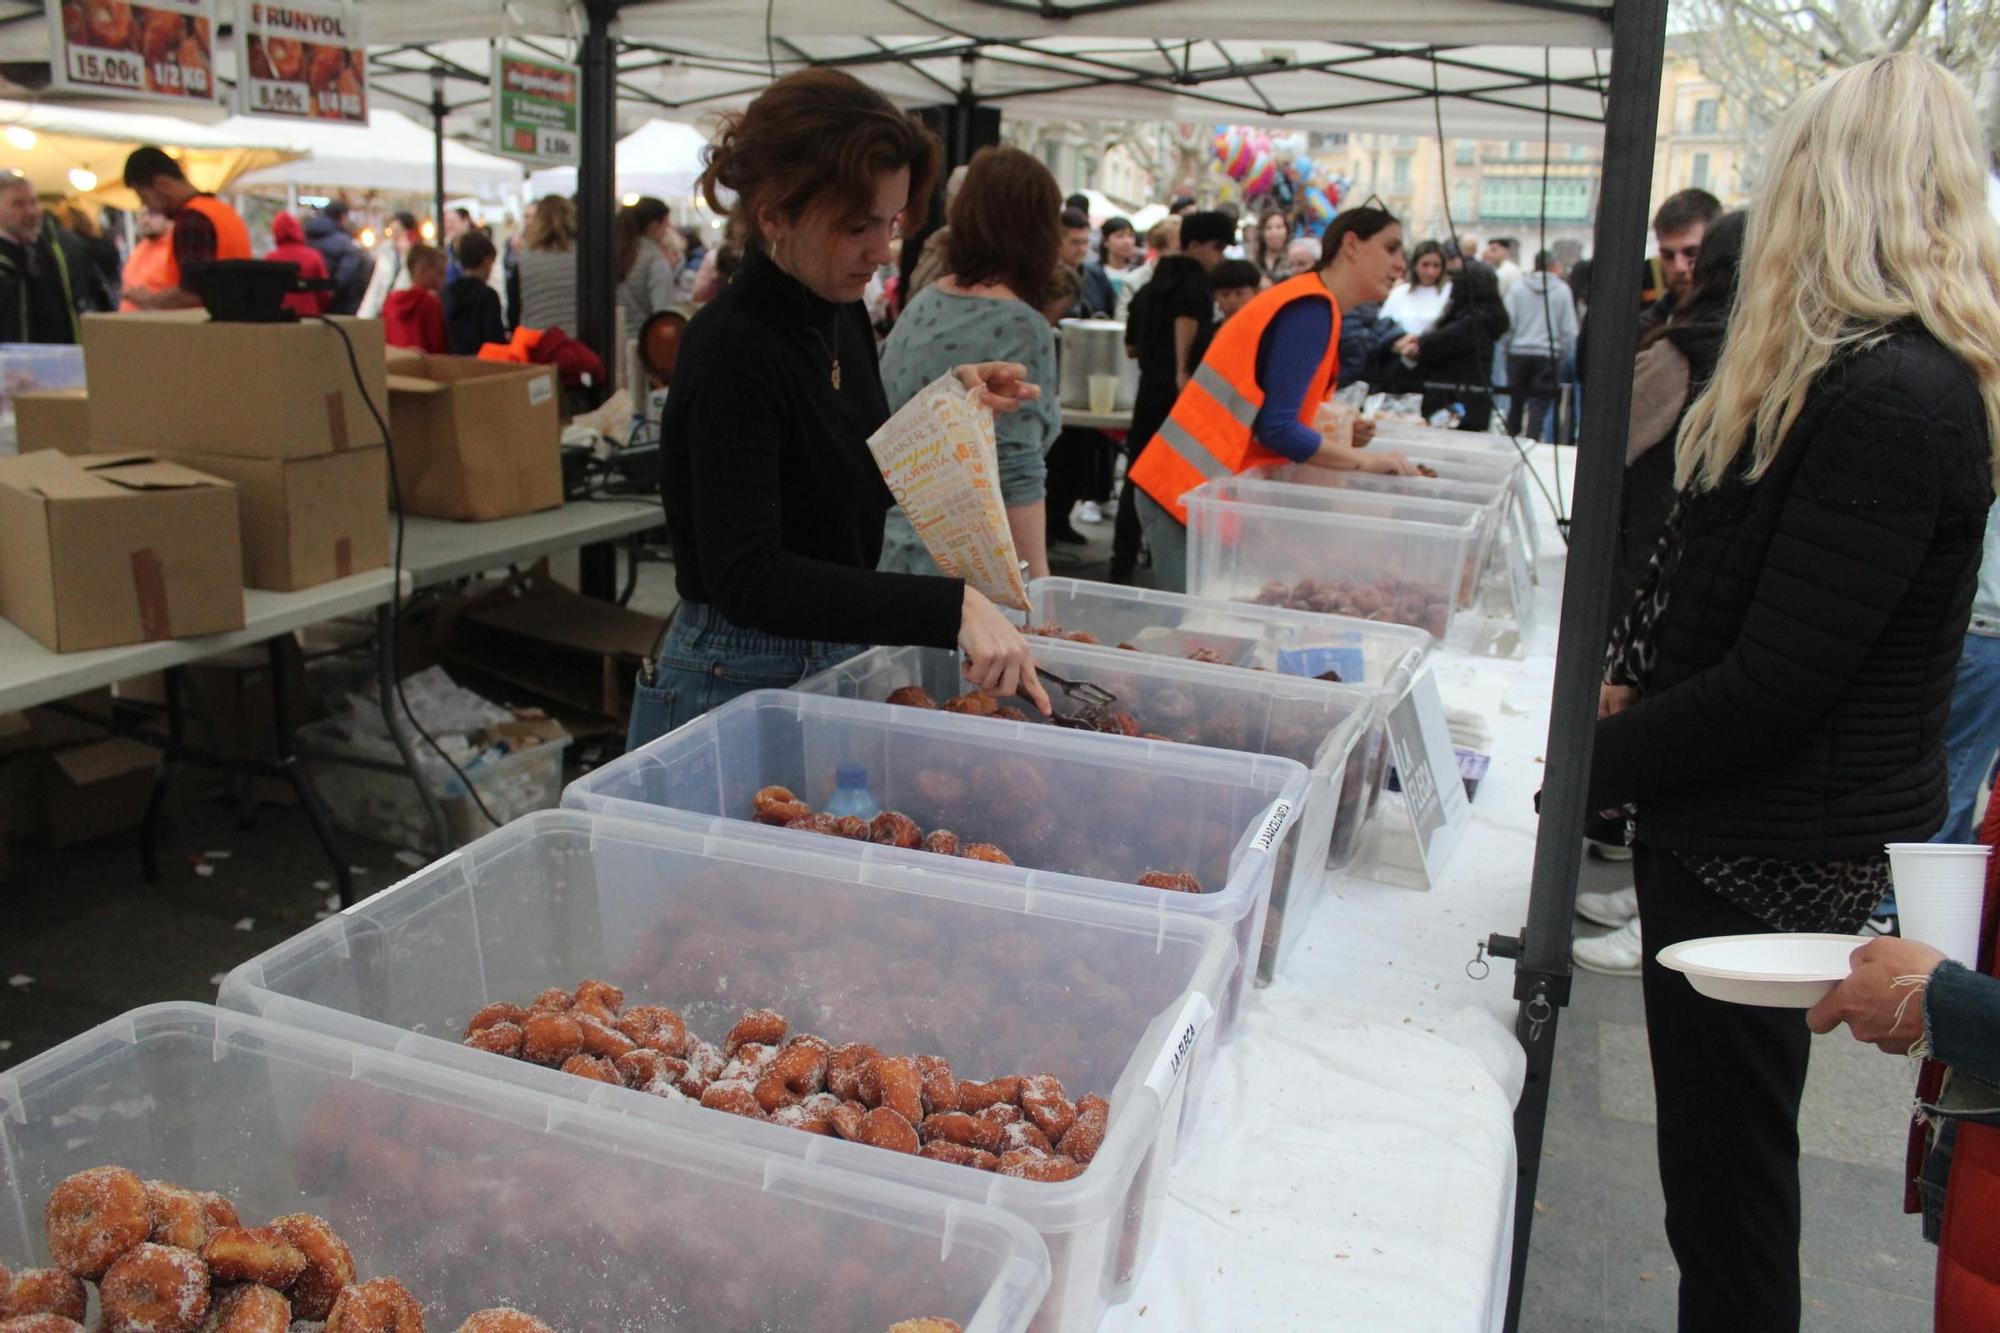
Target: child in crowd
point(1234, 282)
point(414, 316)
point(471, 306)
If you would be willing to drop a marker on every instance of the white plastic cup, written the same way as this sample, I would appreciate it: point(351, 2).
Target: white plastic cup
point(1940, 892)
point(1103, 393)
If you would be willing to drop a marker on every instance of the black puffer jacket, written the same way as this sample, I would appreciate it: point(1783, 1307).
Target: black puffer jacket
point(1813, 626)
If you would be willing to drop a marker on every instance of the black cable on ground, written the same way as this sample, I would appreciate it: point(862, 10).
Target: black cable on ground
point(396, 575)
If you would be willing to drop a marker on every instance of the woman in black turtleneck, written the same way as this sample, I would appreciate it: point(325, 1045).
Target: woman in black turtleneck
point(775, 504)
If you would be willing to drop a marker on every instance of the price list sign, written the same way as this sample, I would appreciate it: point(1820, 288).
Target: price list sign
point(535, 108)
point(163, 50)
point(303, 60)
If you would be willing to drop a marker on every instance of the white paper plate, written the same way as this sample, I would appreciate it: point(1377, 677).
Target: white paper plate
point(1774, 971)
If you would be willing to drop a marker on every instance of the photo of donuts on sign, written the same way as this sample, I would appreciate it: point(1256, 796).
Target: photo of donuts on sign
point(302, 61)
point(164, 50)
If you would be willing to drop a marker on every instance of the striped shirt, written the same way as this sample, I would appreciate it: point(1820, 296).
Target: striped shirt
point(548, 289)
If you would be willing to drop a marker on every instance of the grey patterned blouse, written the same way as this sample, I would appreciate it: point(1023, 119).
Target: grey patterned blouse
point(940, 330)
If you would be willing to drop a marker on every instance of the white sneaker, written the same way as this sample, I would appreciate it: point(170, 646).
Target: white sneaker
point(1612, 909)
point(1607, 851)
point(1614, 955)
point(1088, 512)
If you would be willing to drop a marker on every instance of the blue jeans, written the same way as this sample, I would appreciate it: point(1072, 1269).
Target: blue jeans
point(1166, 538)
point(1971, 734)
point(705, 661)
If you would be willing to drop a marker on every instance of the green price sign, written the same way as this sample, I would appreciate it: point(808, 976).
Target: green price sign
point(535, 108)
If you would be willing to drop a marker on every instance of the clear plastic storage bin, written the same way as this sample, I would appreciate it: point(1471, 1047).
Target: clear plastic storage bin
point(1077, 812)
point(1276, 544)
point(477, 1194)
point(1321, 726)
point(999, 977)
point(384, 805)
point(1487, 512)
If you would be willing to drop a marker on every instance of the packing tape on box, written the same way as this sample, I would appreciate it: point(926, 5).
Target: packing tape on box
point(336, 419)
point(343, 557)
point(149, 582)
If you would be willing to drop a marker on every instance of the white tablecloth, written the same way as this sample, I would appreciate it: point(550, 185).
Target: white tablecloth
point(1352, 1162)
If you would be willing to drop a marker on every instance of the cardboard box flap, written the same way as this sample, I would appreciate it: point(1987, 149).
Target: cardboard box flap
point(143, 472)
point(399, 383)
point(403, 360)
point(101, 761)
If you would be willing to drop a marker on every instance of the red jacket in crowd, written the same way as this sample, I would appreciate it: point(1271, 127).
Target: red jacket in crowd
point(414, 318)
point(291, 248)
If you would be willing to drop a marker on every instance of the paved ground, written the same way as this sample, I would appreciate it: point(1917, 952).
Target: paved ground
point(86, 940)
point(1600, 1262)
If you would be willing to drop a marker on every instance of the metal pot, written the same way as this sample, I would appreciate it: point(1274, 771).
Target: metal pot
point(1096, 347)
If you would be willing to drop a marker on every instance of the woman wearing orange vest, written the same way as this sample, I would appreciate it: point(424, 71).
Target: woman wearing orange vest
point(1253, 399)
point(205, 228)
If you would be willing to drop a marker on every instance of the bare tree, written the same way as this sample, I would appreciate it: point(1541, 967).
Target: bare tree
point(1764, 53)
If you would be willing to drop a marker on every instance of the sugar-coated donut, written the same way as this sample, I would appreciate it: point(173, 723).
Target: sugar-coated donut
point(503, 1321)
point(94, 1217)
point(40, 1323)
point(45, 1291)
point(264, 1255)
point(381, 1306)
point(155, 1289)
point(329, 1264)
point(180, 1217)
point(248, 1308)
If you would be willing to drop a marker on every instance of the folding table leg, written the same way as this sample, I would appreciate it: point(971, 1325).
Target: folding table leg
point(149, 827)
point(284, 663)
point(385, 675)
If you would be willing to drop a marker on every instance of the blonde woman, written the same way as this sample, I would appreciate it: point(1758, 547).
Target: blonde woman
point(1775, 704)
point(547, 267)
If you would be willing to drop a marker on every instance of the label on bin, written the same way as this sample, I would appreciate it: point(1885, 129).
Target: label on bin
point(1273, 825)
point(1180, 1044)
point(1348, 665)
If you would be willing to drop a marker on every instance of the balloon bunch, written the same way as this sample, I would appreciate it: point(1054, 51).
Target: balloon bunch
point(1279, 171)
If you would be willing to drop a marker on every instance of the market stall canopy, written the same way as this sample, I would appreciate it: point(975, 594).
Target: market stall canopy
point(1310, 65)
point(393, 153)
point(48, 143)
point(661, 158)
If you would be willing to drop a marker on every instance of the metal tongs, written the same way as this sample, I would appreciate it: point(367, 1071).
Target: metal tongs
point(1091, 702)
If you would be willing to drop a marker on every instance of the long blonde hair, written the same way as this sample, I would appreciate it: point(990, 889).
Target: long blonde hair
point(1874, 211)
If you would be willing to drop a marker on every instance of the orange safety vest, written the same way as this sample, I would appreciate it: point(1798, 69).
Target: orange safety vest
point(232, 238)
point(1209, 432)
point(150, 266)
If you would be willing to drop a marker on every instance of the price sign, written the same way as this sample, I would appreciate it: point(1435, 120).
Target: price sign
point(302, 60)
point(1427, 766)
point(536, 109)
point(163, 50)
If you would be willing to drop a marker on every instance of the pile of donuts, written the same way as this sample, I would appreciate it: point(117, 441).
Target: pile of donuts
point(1389, 600)
point(173, 1260)
point(1024, 1127)
point(779, 806)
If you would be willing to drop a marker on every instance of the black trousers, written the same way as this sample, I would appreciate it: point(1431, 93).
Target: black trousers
point(1148, 415)
point(1079, 468)
point(1728, 1079)
point(1532, 390)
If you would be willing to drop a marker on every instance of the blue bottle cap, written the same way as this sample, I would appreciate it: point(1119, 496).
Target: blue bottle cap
point(851, 775)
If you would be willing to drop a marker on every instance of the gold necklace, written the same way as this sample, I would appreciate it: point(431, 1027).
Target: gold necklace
point(832, 358)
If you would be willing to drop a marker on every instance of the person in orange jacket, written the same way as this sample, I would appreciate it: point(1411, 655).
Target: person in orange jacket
point(289, 247)
point(1254, 397)
point(205, 228)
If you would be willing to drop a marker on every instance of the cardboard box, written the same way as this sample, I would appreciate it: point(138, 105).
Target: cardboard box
point(174, 385)
point(52, 419)
point(106, 550)
point(94, 790)
point(474, 439)
point(559, 645)
point(306, 521)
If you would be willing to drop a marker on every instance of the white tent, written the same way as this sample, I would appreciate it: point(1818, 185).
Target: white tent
point(55, 144)
point(393, 153)
point(661, 158)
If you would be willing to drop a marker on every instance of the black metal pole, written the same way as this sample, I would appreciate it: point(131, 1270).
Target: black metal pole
point(596, 204)
point(1542, 967)
point(596, 176)
point(439, 110)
